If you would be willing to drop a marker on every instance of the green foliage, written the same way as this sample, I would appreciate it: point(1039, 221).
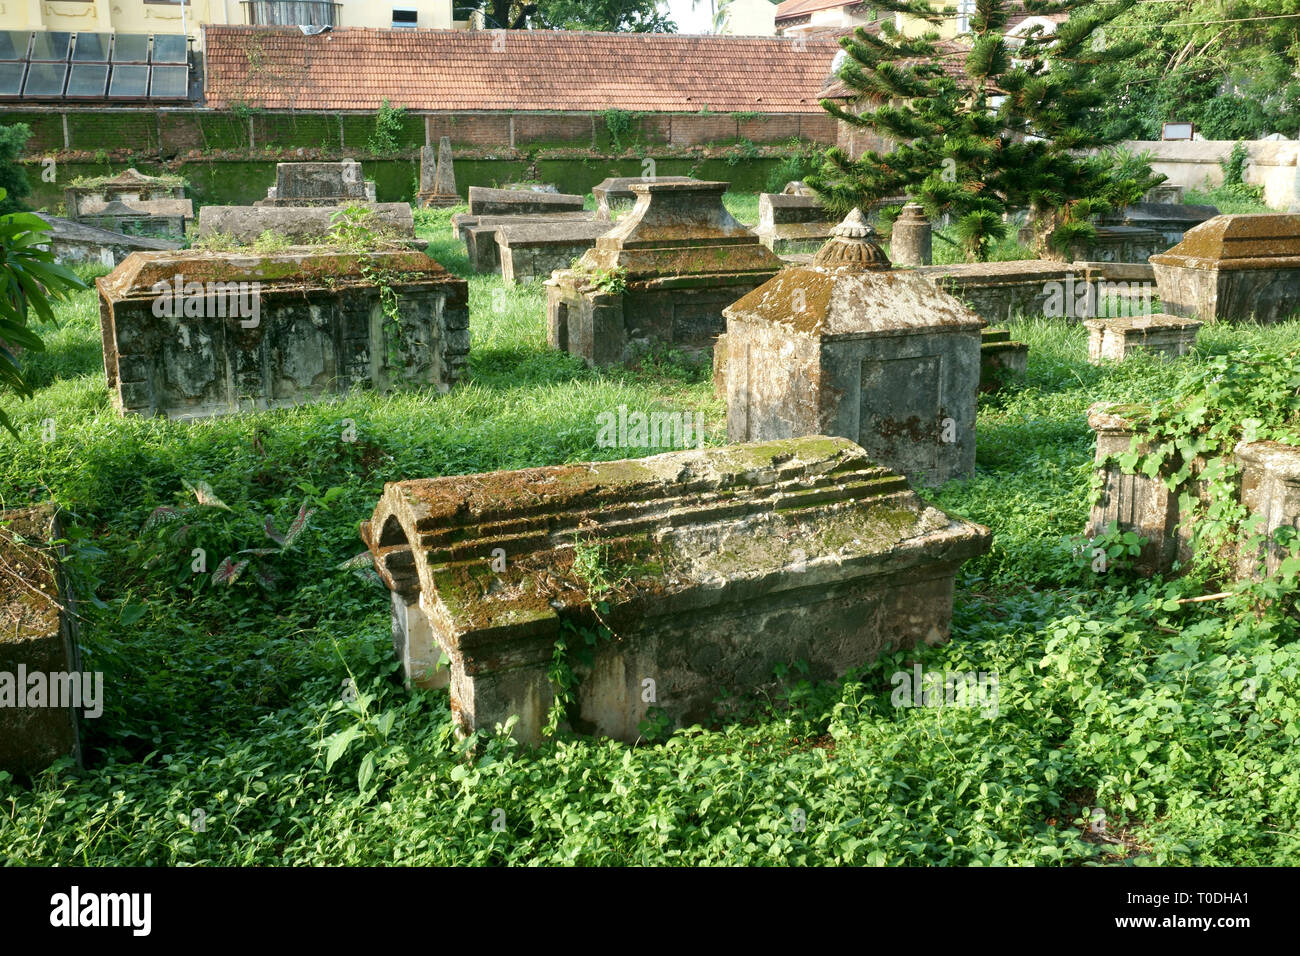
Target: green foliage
point(280, 713)
point(387, 136)
point(618, 123)
point(271, 241)
point(13, 178)
point(1234, 167)
point(29, 283)
point(1014, 130)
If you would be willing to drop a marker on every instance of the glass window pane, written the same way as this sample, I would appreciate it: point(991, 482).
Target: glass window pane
point(169, 82)
point(13, 44)
point(131, 48)
point(45, 79)
point(129, 81)
point(169, 48)
point(49, 45)
point(91, 48)
point(88, 79)
point(11, 78)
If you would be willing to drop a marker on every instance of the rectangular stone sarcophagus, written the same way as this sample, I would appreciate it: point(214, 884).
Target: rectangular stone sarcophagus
point(659, 278)
point(999, 291)
point(1115, 339)
point(194, 334)
point(615, 193)
point(1001, 360)
point(43, 693)
point(1234, 267)
point(484, 201)
point(724, 562)
point(530, 251)
point(298, 224)
point(792, 223)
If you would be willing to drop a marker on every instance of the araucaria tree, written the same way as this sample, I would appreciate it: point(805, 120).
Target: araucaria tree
point(988, 123)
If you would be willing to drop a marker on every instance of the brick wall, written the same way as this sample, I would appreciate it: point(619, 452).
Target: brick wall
point(175, 132)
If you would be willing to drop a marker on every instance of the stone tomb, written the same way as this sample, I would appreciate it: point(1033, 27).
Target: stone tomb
point(1001, 360)
point(1120, 244)
point(519, 202)
point(319, 184)
point(999, 291)
point(849, 347)
point(791, 223)
point(616, 191)
point(301, 224)
point(1116, 338)
point(733, 560)
point(683, 259)
point(38, 647)
point(1234, 267)
point(132, 203)
point(1170, 220)
point(193, 334)
point(437, 177)
point(529, 251)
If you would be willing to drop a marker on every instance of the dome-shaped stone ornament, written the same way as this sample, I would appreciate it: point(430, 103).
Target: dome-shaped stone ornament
point(854, 245)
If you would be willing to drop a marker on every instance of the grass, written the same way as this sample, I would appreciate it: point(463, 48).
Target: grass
point(222, 702)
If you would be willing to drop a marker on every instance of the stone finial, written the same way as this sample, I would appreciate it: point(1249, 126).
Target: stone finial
point(853, 245)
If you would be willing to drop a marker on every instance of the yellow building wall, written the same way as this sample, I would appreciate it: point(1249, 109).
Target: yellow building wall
point(139, 16)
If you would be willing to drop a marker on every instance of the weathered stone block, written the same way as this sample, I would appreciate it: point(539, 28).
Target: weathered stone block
point(737, 559)
point(1234, 267)
point(848, 347)
point(791, 223)
point(911, 238)
point(1134, 502)
point(305, 224)
point(319, 184)
point(437, 178)
point(43, 693)
point(191, 334)
point(616, 191)
point(1001, 360)
point(1114, 339)
point(1120, 244)
point(516, 202)
point(1270, 491)
point(530, 251)
point(999, 291)
point(682, 257)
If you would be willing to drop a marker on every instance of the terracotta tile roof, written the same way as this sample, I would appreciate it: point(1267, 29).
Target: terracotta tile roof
point(357, 68)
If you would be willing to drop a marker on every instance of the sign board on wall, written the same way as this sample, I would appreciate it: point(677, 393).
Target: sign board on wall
point(1177, 131)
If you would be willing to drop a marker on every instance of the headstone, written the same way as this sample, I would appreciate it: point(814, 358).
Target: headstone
point(1114, 339)
point(1000, 291)
point(1001, 360)
point(43, 691)
point(789, 224)
point(1234, 267)
point(302, 224)
point(676, 261)
point(910, 238)
point(195, 334)
point(1164, 193)
point(849, 347)
point(319, 184)
point(437, 179)
point(616, 191)
point(519, 202)
point(529, 251)
point(737, 560)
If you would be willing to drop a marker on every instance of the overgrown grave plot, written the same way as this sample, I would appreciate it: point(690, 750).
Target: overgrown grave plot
point(1108, 701)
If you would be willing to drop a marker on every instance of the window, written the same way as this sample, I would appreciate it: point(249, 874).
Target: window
point(405, 19)
point(964, 9)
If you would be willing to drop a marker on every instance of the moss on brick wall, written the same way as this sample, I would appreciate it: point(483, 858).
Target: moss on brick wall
point(47, 130)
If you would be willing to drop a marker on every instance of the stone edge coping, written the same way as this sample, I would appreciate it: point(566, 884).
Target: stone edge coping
point(1157, 321)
